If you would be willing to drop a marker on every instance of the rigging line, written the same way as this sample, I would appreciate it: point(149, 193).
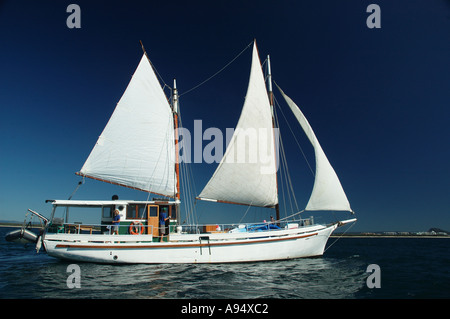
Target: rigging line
point(282, 194)
point(76, 189)
point(154, 69)
point(188, 199)
point(182, 144)
point(295, 138)
point(170, 93)
point(262, 66)
point(212, 76)
point(289, 185)
point(298, 213)
point(245, 214)
point(159, 75)
point(340, 236)
point(189, 183)
point(288, 182)
point(187, 194)
point(283, 177)
point(287, 196)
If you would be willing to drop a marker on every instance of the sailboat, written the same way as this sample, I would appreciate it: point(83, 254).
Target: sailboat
point(139, 148)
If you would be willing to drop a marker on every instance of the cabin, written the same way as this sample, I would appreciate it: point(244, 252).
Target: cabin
point(136, 217)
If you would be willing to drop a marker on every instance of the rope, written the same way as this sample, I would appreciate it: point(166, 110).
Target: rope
point(188, 186)
point(295, 138)
point(248, 208)
point(78, 186)
point(340, 236)
point(281, 219)
point(212, 76)
point(154, 69)
point(285, 169)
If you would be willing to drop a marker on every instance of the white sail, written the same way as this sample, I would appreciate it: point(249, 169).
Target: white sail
point(247, 171)
point(327, 193)
point(136, 148)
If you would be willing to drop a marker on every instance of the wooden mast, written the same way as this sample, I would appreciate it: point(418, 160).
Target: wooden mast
point(175, 120)
point(269, 89)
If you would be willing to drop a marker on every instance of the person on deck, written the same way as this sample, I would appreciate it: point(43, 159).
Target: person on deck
point(116, 222)
point(162, 223)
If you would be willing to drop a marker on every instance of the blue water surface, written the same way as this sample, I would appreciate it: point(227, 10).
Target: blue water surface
point(410, 268)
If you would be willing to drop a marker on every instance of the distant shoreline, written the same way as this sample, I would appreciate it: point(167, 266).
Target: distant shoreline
point(387, 236)
point(393, 236)
point(18, 225)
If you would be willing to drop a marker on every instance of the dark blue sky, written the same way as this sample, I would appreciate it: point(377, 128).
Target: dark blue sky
point(378, 99)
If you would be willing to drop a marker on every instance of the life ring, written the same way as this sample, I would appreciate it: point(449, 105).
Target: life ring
point(136, 228)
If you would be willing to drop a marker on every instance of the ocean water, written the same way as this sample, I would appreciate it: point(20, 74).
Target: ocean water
point(410, 268)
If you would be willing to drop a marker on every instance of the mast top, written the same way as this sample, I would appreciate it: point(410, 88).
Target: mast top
point(269, 83)
point(175, 97)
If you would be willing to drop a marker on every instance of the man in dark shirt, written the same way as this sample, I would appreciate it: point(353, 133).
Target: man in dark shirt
point(116, 222)
point(162, 223)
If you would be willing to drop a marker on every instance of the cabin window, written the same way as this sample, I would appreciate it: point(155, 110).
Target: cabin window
point(107, 211)
point(153, 211)
point(136, 212)
point(173, 212)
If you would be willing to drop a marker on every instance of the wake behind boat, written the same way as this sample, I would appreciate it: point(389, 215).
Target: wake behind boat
point(139, 149)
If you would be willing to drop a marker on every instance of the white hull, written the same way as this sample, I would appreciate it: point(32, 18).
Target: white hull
point(305, 241)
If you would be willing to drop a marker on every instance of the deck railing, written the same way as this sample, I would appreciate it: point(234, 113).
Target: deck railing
point(142, 229)
point(99, 229)
point(243, 227)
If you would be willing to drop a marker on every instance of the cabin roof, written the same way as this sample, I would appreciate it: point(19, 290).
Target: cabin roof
point(99, 203)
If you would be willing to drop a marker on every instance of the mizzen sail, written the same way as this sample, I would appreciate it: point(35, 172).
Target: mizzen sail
point(247, 172)
point(327, 193)
point(136, 148)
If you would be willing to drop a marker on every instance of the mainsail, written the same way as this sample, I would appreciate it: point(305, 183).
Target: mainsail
point(327, 193)
point(247, 172)
point(136, 148)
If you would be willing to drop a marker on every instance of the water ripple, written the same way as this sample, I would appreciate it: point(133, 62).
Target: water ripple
point(340, 273)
